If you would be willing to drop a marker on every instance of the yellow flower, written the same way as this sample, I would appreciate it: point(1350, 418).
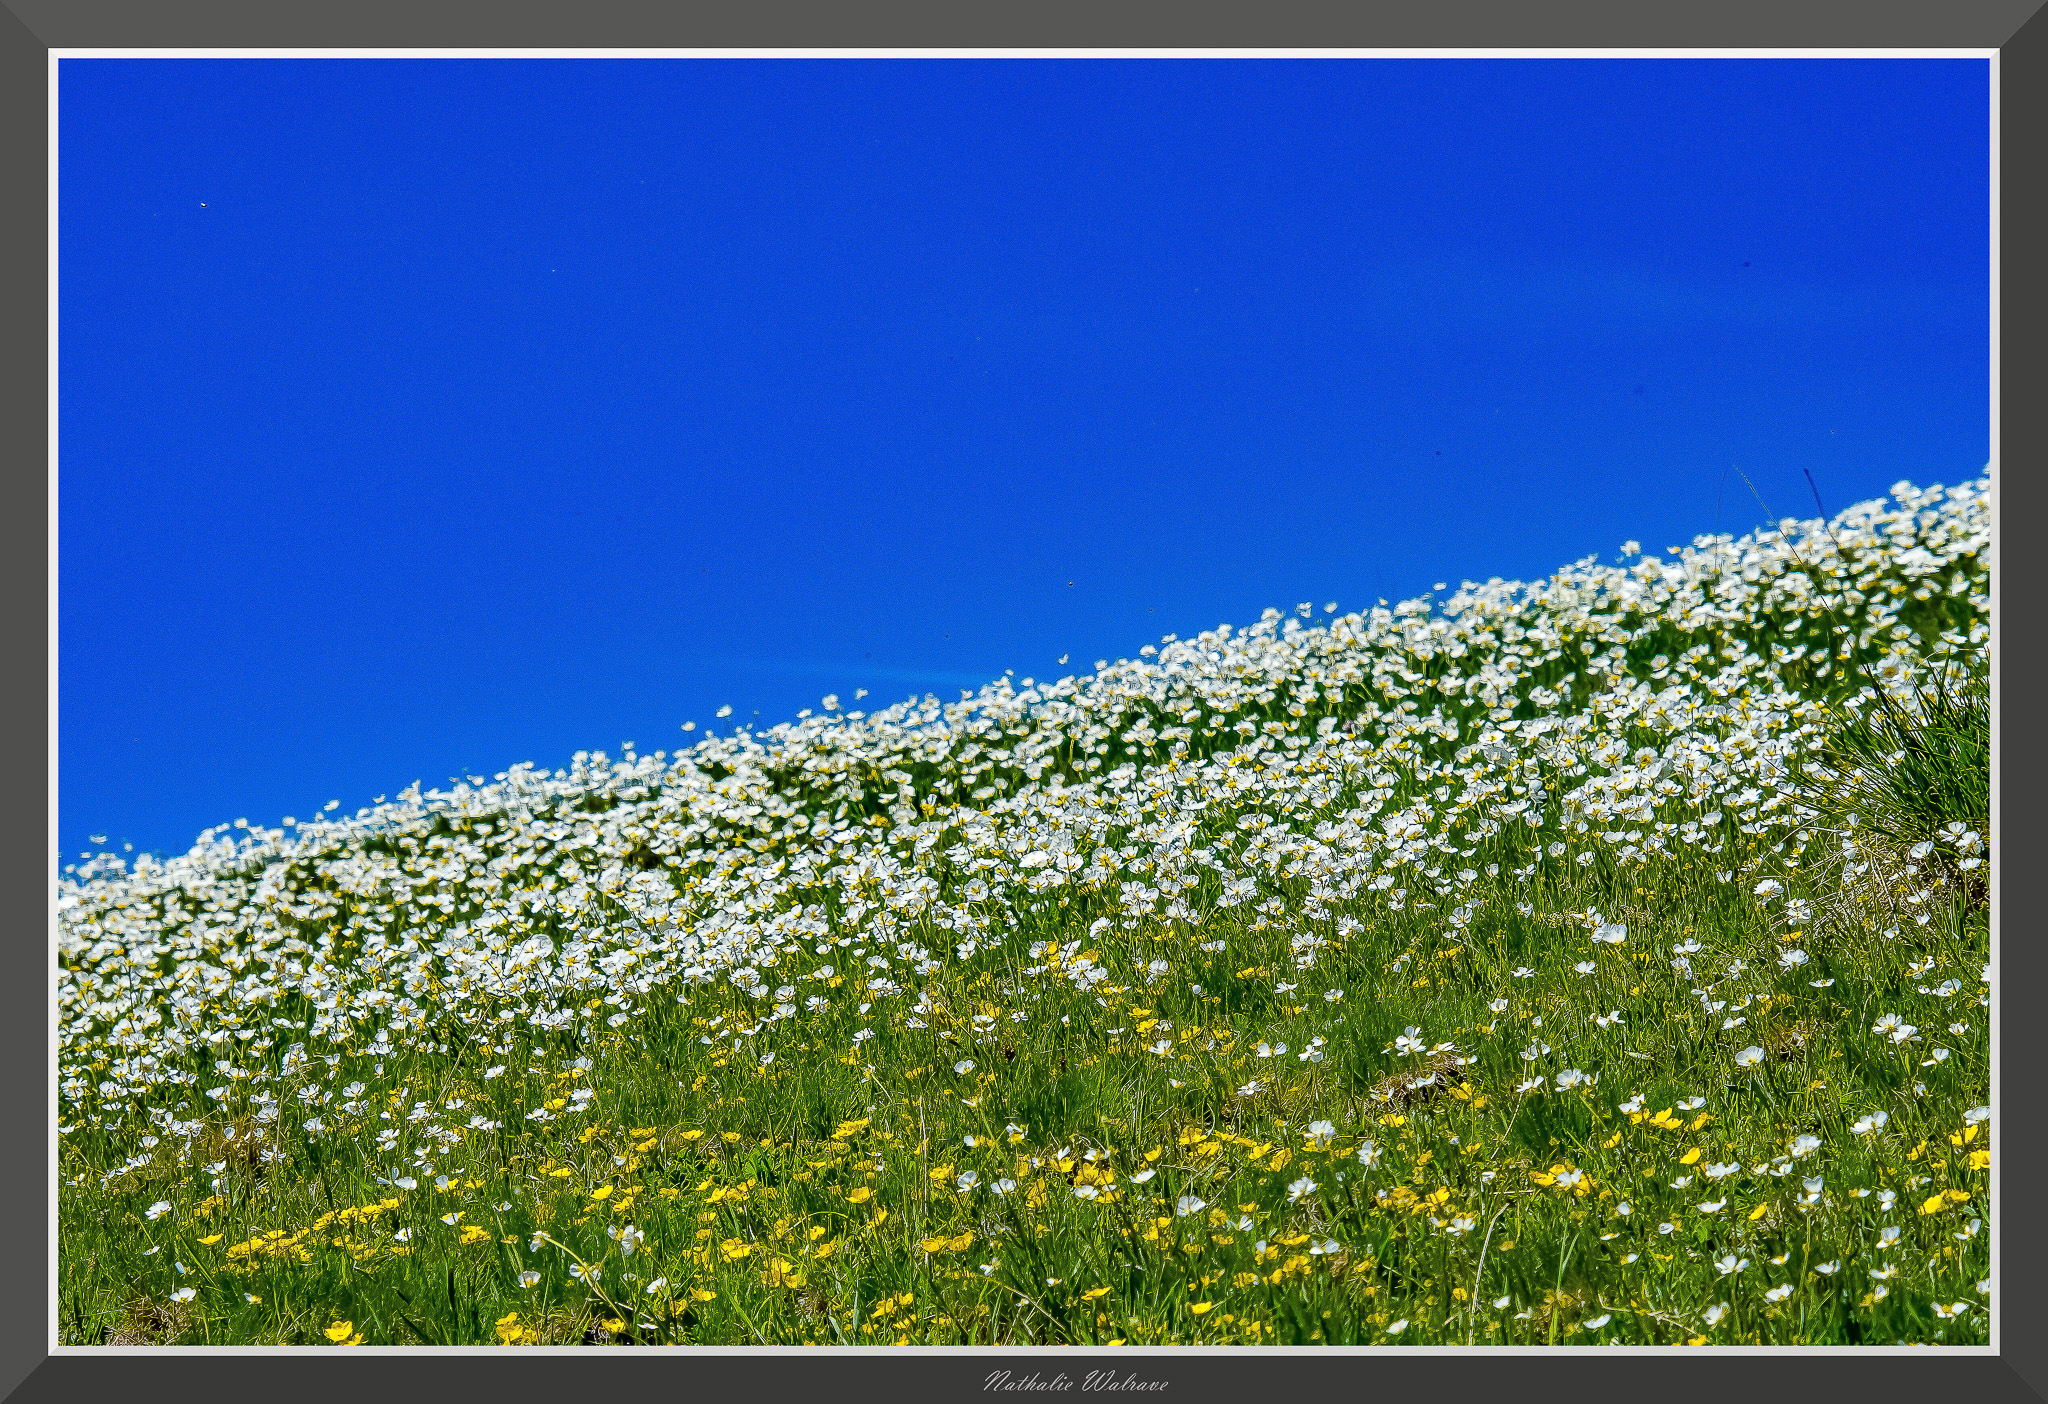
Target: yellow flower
point(859, 1196)
point(1934, 1204)
point(214, 1239)
point(1094, 1292)
point(601, 1192)
point(702, 1294)
point(343, 1333)
point(1199, 1307)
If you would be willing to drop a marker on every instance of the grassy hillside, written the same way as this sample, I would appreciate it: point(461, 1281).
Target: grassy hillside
point(1599, 959)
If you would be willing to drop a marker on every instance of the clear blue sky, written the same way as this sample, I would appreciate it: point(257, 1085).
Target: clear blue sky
point(421, 417)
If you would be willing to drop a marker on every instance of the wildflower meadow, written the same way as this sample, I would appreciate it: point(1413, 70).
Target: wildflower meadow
point(1602, 959)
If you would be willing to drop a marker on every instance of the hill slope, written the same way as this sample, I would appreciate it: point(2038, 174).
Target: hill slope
point(1501, 969)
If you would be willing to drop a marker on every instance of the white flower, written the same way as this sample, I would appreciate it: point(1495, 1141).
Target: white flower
point(1572, 1077)
point(1003, 1186)
point(1300, 1190)
point(1368, 1154)
point(1792, 960)
point(1187, 1204)
point(1523, 972)
point(1769, 888)
point(158, 1209)
point(1397, 1327)
point(1872, 1124)
point(1716, 1312)
point(968, 1180)
point(184, 1294)
point(1803, 1145)
point(1585, 967)
point(1716, 1171)
point(965, 1065)
point(1594, 1323)
point(1779, 1293)
point(1730, 1264)
point(1142, 1176)
point(655, 1286)
point(1749, 1057)
point(1405, 1044)
point(1976, 1114)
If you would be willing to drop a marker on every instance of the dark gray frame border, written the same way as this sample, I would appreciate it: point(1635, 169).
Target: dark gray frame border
point(31, 28)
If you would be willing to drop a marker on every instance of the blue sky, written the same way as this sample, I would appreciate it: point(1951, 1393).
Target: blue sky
point(423, 417)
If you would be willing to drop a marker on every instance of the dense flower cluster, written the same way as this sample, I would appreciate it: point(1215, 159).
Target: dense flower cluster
point(1367, 756)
